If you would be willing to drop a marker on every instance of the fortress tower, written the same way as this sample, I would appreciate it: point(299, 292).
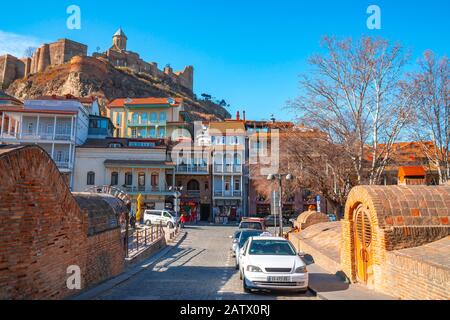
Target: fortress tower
point(120, 40)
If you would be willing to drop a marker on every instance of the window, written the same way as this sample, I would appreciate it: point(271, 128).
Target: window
point(153, 117)
point(237, 159)
point(114, 178)
point(155, 179)
point(128, 179)
point(30, 128)
point(135, 118)
point(162, 116)
point(141, 179)
point(143, 133)
point(91, 178)
point(152, 132)
point(162, 132)
point(144, 118)
point(59, 156)
point(227, 185)
point(237, 184)
point(134, 133)
point(119, 118)
point(193, 185)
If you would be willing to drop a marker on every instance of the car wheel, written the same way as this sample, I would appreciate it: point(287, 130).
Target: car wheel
point(170, 225)
point(148, 223)
point(240, 275)
point(244, 286)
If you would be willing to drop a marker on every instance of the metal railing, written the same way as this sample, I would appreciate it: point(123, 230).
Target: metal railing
point(192, 169)
point(228, 168)
point(236, 194)
point(141, 189)
point(143, 238)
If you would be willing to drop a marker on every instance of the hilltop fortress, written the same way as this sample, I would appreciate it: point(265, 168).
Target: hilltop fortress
point(62, 51)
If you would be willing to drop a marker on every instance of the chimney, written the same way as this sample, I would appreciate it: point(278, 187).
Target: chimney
point(243, 114)
point(238, 116)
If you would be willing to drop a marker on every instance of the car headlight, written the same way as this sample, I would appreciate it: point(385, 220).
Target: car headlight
point(253, 269)
point(301, 270)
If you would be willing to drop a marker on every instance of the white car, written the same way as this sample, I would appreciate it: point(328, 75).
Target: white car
point(272, 263)
point(164, 217)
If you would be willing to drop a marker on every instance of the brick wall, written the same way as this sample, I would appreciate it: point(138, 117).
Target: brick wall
point(43, 231)
point(407, 226)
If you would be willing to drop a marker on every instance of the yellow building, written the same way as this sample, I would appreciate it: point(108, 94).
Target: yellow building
point(147, 118)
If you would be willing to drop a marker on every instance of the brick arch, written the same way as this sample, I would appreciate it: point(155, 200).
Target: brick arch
point(35, 223)
point(401, 217)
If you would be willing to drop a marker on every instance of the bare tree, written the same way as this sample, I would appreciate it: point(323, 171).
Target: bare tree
point(431, 88)
point(29, 51)
point(354, 96)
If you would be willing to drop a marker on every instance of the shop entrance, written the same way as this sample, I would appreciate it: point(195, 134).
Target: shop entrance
point(205, 210)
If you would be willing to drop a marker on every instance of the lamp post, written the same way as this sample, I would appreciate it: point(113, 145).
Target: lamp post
point(177, 195)
point(279, 177)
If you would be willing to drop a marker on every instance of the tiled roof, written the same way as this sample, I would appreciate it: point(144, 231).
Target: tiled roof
point(120, 103)
point(84, 100)
point(41, 111)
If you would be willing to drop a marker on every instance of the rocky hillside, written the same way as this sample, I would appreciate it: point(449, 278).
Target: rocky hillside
point(87, 76)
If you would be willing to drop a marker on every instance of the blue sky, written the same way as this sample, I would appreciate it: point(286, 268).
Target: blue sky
point(249, 52)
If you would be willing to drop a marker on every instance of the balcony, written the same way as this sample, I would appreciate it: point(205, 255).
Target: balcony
point(191, 169)
point(64, 165)
point(228, 168)
point(158, 123)
point(193, 193)
point(227, 194)
point(154, 190)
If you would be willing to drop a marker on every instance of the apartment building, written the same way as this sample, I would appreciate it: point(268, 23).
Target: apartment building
point(57, 126)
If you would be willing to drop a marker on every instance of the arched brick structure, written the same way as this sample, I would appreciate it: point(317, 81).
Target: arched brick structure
point(399, 217)
point(309, 218)
point(42, 229)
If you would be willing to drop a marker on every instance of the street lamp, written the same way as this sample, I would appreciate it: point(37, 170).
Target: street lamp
point(279, 177)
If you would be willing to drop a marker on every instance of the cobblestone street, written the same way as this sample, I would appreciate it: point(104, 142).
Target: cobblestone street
point(200, 268)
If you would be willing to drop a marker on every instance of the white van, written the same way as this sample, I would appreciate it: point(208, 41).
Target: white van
point(164, 217)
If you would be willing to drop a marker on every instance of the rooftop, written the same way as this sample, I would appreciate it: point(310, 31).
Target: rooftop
point(125, 143)
point(150, 101)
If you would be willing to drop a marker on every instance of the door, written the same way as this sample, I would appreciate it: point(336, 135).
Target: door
point(363, 244)
point(205, 212)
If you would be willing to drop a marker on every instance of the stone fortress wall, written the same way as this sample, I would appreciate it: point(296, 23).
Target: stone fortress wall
point(62, 51)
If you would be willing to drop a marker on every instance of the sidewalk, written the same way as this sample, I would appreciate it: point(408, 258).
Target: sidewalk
point(328, 286)
point(129, 272)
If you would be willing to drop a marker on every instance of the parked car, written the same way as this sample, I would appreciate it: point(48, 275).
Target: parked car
point(332, 217)
point(235, 240)
point(252, 223)
point(270, 221)
point(243, 236)
point(165, 217)
point(271, 263)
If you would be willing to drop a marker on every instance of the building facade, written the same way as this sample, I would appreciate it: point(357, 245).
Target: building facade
point(135, 166)
point(57, 126)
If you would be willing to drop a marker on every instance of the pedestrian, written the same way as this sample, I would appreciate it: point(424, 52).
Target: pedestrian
point(182, 220)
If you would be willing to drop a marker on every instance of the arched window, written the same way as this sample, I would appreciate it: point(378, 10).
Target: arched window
point(114, 178)
point(91, 178)
point(128, 179)
point(162, 132)
point(193, 185)
point(155, 179)
point(144, 118)
point(141, 180)
point(162, 116)
point(135, 118)
point(152, 132)
point(153, 117)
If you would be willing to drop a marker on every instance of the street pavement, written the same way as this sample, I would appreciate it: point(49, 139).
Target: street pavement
point(200, 268)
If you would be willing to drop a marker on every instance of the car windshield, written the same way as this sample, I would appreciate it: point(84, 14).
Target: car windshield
point(247, 234)
point(251, 225)
point(237, 234)
point(271, 248)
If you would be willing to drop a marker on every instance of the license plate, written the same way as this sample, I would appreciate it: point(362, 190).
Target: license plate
point(279, 279)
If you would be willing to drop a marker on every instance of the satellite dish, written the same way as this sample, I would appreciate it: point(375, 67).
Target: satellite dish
point(171, 101)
